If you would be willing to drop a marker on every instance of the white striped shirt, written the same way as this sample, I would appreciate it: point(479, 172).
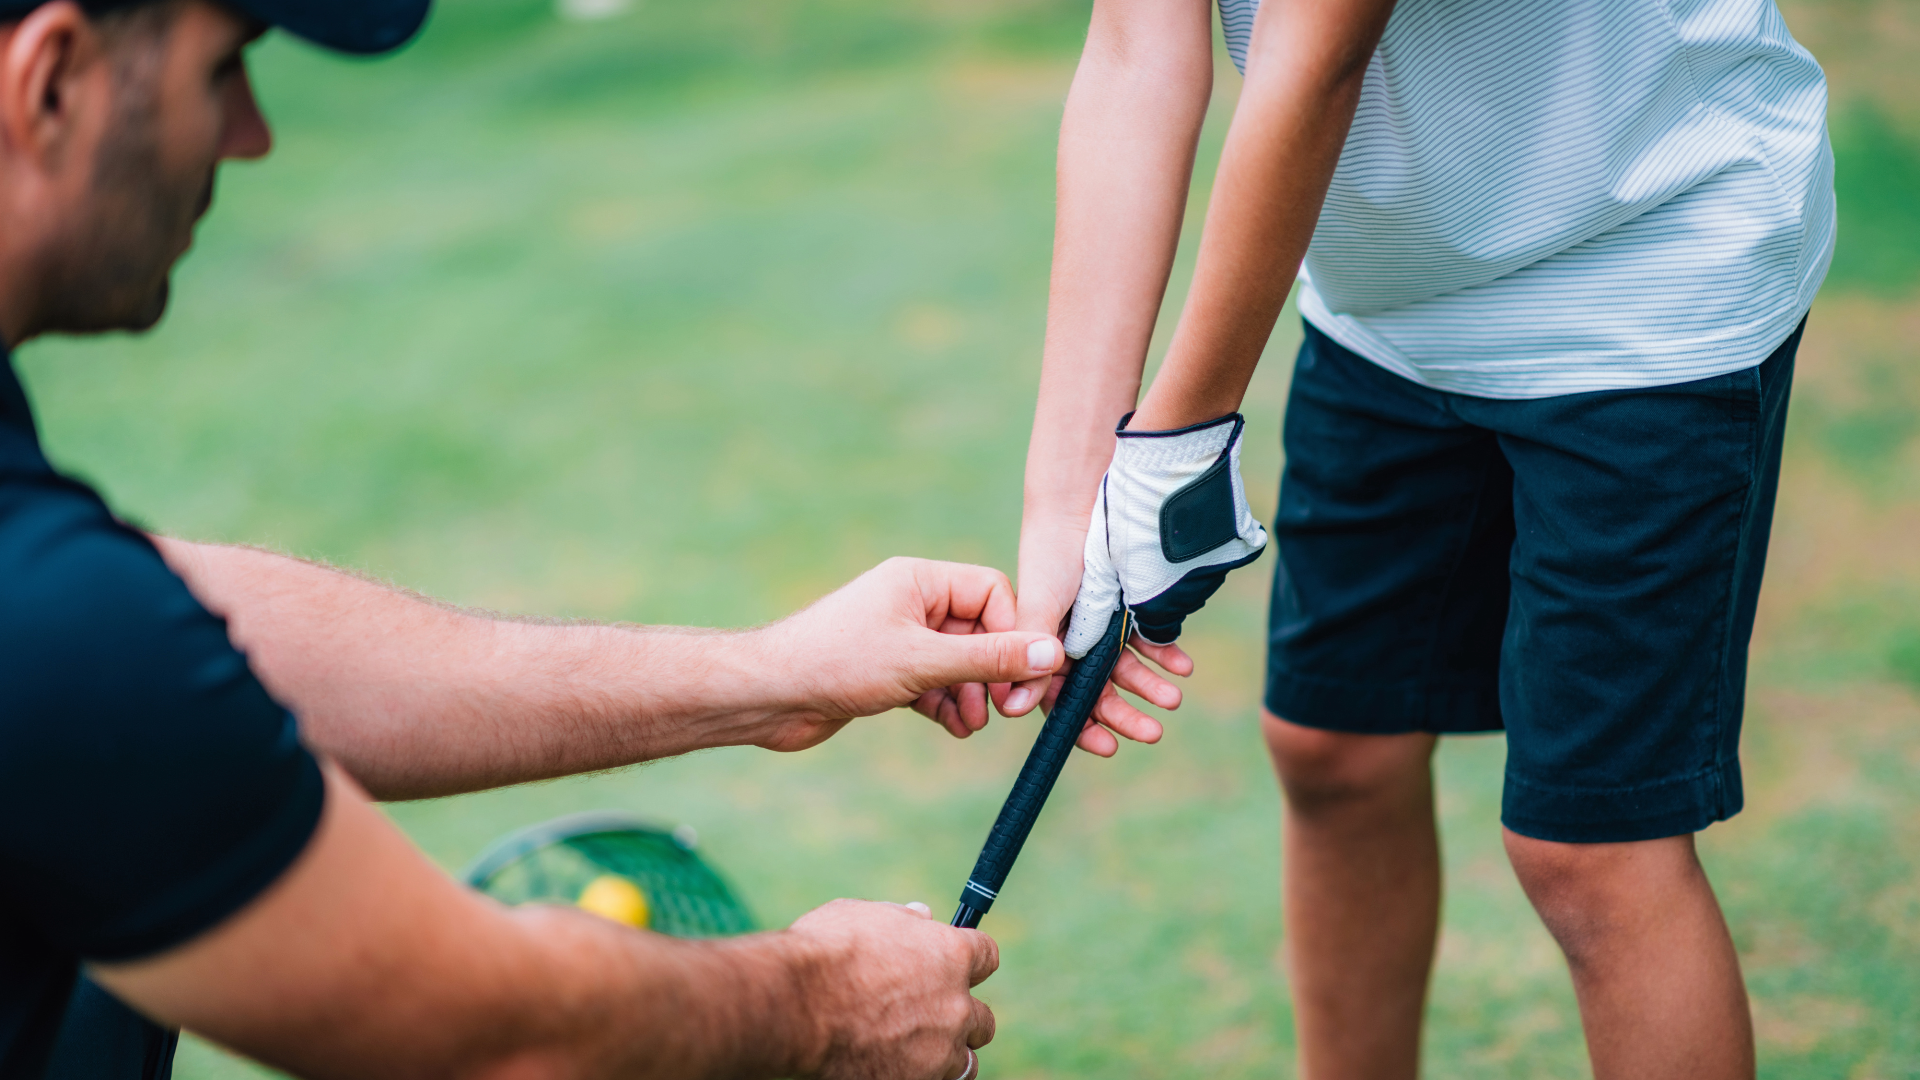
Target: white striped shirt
point(1546, 197)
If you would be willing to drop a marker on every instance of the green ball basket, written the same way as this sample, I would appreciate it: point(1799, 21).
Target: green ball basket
point(553, 861)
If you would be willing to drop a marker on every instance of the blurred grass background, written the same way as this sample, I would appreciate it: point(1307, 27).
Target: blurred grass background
point(691, 312)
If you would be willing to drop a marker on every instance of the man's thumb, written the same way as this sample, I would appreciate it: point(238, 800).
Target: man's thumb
point(1013, 656)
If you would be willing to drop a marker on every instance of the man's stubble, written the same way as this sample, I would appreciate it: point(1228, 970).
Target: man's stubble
point(112, 270)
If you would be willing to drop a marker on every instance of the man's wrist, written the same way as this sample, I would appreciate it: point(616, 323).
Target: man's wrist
point(787, 975)
point(774, 680)
point(680, 688)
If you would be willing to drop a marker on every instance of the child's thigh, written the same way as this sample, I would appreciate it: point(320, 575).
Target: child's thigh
point(1641, 521)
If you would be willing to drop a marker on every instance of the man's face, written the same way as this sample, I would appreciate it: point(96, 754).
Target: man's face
point(181, 103)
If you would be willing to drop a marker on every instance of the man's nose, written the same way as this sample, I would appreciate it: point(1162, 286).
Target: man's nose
point(246, 135)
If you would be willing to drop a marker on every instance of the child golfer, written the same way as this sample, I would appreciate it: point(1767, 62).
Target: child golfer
point(1556, 258)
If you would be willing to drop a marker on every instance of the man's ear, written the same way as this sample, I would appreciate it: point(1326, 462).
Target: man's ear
point(45, 62)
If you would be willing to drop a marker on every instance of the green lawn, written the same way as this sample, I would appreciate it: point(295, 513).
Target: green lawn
point(691, 314)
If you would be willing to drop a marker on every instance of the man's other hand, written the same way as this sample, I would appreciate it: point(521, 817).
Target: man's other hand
point(933, 635)
point(893, 991)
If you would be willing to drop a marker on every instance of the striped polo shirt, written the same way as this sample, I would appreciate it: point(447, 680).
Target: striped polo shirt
point(1543, 198)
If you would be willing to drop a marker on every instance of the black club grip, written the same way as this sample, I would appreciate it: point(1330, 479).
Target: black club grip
point(1050, 751)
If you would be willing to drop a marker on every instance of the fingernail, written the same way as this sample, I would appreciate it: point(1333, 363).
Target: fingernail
point(920, 907)
point(1040, 655)
point(1018, 699)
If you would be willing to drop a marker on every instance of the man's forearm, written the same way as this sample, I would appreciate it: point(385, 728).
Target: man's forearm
point(416, 699)
point(738, 1008)
point(366, 961)
point(1127, 143)
point(1304, 73)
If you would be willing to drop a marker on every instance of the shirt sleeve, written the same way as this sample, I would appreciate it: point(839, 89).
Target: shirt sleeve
point(149, 786)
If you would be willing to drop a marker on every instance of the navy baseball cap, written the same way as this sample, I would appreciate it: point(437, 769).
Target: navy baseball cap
point(350, 26)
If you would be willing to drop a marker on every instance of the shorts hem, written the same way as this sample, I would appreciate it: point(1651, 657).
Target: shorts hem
point(1622, 814)
point(1377, 709)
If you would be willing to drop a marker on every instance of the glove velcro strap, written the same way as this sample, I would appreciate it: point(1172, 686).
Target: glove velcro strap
point(1200, 516)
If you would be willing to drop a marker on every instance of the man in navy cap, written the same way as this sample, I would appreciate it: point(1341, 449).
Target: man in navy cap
point(176, 851)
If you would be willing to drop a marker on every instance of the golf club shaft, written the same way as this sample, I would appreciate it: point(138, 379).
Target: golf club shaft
point(1057, 736)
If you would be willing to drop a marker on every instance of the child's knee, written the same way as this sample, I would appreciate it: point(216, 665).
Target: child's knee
point(1325, 770)
point(1587, 894)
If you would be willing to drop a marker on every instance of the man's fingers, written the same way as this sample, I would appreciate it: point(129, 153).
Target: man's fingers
point(962, 709)
point(1022, 697)
point(940, 707)
point(988, 658)
point(964, 591)
point(981, 1032)
point(972, 699)
point(985, 958)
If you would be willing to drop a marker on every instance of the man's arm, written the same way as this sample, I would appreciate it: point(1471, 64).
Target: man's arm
point(365, 961)
point(1127, 141)
point(1305, 66)
point(416, 699)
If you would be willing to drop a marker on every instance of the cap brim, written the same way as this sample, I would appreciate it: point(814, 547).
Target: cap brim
point(363, 27)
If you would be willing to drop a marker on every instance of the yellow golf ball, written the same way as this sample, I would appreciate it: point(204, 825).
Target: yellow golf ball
point(611, 896)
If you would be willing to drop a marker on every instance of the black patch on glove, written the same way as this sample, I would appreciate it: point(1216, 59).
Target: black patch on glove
point(1199, 517)
point(1159, 619)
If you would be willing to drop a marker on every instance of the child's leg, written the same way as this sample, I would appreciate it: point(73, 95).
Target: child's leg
point(1389, 599)
point(1641, 522)
point(1361, 896)
point(1653, 965)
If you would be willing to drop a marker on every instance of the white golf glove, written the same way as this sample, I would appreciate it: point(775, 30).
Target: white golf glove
point(1170, 520)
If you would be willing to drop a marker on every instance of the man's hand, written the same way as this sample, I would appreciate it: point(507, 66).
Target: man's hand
point(892, 990)
point(907, 632)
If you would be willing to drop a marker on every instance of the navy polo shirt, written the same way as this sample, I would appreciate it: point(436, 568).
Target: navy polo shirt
point(149, 787)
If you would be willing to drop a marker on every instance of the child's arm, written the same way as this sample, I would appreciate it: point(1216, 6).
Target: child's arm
point(1126, 156)
point(1134, 103)
point(1305, 66)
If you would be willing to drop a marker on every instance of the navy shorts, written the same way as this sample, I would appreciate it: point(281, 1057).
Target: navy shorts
point(1578, 570)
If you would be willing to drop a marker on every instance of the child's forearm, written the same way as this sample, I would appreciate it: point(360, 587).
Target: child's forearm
point(1126, 158)
point(1304, 73)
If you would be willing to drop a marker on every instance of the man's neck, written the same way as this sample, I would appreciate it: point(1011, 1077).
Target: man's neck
point(22, 244)
point(14, 320)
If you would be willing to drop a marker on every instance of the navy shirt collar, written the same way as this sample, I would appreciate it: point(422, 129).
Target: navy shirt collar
point(19, 443)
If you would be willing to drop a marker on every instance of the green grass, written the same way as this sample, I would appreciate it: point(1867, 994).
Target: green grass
point(692, 314)
point(1877, 180)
